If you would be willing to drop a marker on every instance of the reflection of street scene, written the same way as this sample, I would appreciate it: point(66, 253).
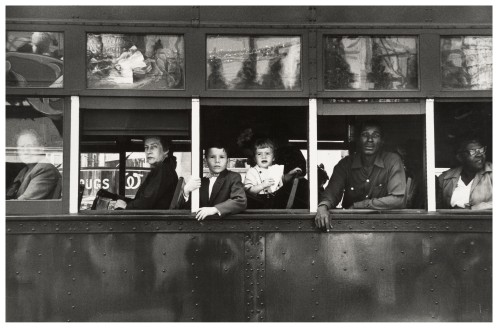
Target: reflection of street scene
point(254, 63)
point(368, 63)
point(135, 61)
point(467, 62)
point(34, 59)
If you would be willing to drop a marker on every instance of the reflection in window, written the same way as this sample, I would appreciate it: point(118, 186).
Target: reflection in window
point(463, 155)
point(35, 59)
point(34, 148)
point(250, 62)
point(370, 63)
point(467, 62)
point(131, 61)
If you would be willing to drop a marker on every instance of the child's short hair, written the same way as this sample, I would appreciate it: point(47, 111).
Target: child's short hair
point(215, 144)
point(264, 143)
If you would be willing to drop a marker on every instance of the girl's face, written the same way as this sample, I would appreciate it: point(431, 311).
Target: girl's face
point(264, 157)
point(217, 160)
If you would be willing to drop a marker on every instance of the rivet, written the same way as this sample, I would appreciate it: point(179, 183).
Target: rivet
point(312, 289)
point(134, 228)
point(402, 252)
point(164, 253)
point(381, 269)
point(316, 276)
point(87, 229)
point(39, 254)
point(196, 277)
point(180, 228)
point(283, 269)
point(22, 224)
point(69, 293)
point(485, 269)
point(447, 227)
point(431, 262)
point(435, 276)
point(157, 228)
point(74, 252)
point(164, 270)
point(17, 272)
point(283, 253)
point(317, 303)
point(436, 302)
point(226, 269)
point(432, 289)
point(312, 262)
point(74, 307)
point(125, 271)
point(361, 222)
point(110, 228)
point(142, 270)
point(8, 230)
point(32, 229)
point(103, 271)
point(74, 279)
point(395, 227)
point(39, 272)
point(313, 317)
point(192, 318)
point(193, 291)
point(56, 229)
point(345, 269)
point(196, 304)
point(105, 254)
point(464, 269)
point(69, 265)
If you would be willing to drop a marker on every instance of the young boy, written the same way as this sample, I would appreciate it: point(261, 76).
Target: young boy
point(221, 192)
point(265, 178)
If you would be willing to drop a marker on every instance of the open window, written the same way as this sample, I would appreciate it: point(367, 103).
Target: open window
point(112, 154)
point(281, 129)
point(402, 126)
point(463, 142)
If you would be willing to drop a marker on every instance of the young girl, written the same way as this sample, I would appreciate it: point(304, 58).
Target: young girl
point(265, 178)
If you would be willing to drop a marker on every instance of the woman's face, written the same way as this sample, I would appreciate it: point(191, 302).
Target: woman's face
point(217, 160)
point(154, 152)
point(264, 157)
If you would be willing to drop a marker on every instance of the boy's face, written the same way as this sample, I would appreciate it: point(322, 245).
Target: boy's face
point(264, 157)
point(217, 160)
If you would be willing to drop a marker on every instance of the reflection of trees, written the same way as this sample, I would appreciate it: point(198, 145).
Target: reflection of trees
point(246, 76)
point(216, 80)
point(338, 73)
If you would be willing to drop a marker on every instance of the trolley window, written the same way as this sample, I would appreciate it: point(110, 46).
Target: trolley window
point(467, 62)
point(253, 62)
point(135, 61)
point(35, 59)
point(34, 152)
point(120, 148)
point(391, 133)
point(371, 63)
point(264, 145)
point(463, 155)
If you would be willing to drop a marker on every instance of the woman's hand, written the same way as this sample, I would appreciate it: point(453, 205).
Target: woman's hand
point(204, 212)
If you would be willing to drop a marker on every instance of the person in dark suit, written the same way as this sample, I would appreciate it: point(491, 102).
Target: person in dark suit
point(39, 179)
point(156, 192)
point(221, 192)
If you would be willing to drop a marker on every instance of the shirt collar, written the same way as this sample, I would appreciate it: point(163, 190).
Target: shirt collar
point(358, 165)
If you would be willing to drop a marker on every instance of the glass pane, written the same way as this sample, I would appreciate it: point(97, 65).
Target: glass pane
point(467, 62)
point(250, 62)
point(132, 61)
point(35, 59)
point(34, 129)
point(98, 171)
point(370, 63)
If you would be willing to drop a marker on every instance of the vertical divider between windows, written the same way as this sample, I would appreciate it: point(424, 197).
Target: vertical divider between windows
point(430, 156)
point(74, 155)
point(195, 128)
point(313, 154)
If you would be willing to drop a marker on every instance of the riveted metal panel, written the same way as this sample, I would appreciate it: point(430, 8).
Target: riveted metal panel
point(305, 224)
point(254, 272)
point(125, 277)
point(378, 277)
